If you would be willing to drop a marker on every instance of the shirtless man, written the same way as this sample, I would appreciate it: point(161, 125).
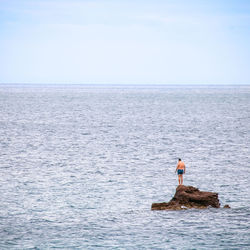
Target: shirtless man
point(181, 168)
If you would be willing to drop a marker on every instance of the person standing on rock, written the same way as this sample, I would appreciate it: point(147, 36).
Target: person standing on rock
point(180, 169)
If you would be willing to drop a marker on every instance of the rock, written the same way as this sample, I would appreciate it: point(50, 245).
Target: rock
point(226, 206)
point(189, 197)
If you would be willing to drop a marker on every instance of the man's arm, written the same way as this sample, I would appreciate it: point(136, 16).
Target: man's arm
point(184, 168)
point(177, 168)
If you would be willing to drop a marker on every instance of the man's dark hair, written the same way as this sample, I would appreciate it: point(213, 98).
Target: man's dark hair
point(179, 159)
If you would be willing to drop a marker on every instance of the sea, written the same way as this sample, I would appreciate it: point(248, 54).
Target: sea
point(80, 165)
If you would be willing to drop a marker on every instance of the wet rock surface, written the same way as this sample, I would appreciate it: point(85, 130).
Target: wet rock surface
point(187, 197)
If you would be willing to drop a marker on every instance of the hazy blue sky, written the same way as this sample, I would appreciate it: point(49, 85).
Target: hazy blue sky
point(132, 41)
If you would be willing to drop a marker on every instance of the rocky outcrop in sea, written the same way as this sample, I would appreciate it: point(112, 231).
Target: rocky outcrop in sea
point(187, 197)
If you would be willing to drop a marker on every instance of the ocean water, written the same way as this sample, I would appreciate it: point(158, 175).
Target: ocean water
point(80, 166)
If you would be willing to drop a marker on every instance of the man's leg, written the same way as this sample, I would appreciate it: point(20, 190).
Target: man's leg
point(179, 178)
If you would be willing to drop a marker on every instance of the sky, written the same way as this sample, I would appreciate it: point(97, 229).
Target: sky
point(125, 41)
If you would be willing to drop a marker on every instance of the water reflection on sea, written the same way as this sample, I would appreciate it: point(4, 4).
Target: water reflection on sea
point(81, 165)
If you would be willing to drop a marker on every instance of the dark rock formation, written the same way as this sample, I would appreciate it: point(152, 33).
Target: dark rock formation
point(189, 197)
point(226, 206)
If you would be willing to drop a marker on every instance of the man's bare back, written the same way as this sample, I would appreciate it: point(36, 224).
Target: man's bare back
point(181, 165)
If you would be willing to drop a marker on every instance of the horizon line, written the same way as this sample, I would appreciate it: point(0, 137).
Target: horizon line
point(129, 84)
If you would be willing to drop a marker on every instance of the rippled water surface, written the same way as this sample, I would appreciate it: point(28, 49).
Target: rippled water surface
point(80, 166)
